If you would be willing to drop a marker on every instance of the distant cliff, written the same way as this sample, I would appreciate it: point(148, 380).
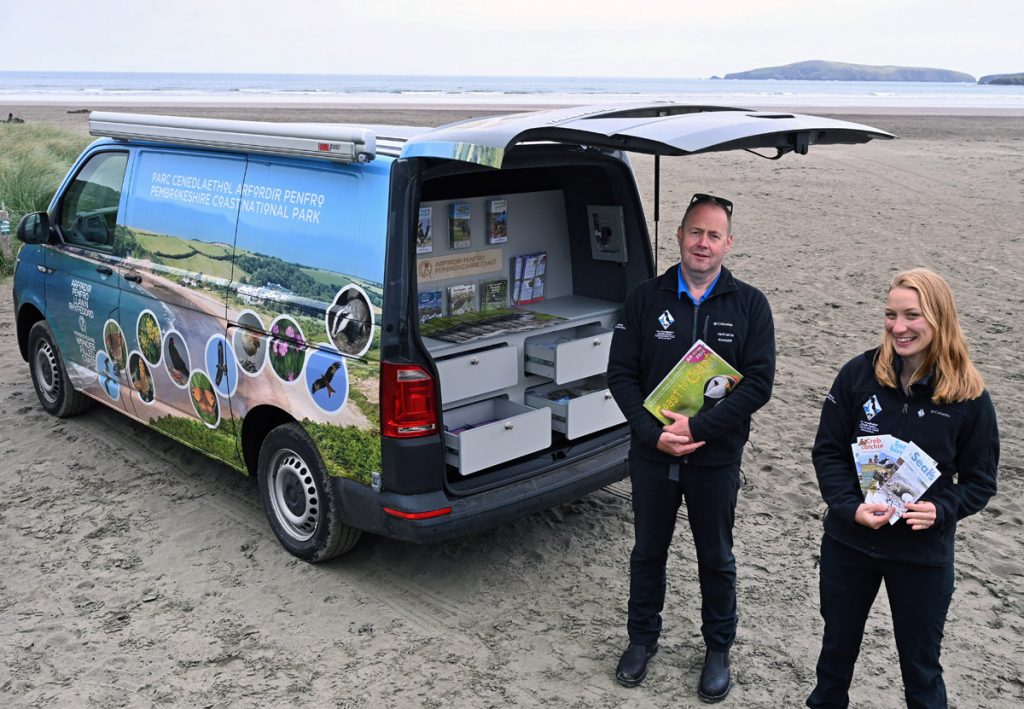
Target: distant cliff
point(1003, 79)
point(837, 71)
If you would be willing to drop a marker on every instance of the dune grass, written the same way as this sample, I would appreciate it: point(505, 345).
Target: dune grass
point(33, 160)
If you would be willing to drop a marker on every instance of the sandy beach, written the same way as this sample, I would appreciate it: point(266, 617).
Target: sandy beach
point(135, 572)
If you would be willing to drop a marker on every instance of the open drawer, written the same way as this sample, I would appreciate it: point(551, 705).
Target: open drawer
point(567, 355)
point(493, 431)
point(477, 372)
point(578, 408)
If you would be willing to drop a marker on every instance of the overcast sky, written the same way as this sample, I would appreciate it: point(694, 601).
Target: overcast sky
point(643, 38)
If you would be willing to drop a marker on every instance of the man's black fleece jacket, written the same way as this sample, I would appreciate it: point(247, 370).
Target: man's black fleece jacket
point(656, 330)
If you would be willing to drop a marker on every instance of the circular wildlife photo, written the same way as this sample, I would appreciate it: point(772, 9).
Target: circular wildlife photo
point(140, 377)
point(327, 380)
point(220, 365)
point(107, 376)
point(249, 345)
point(113, 341)
point(287, 348)
point(204, 398)
point(147, 329)
point(350, 321)
point(176, 360)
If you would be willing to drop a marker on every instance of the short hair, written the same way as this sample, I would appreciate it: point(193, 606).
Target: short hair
point(948, 359)
point(695, 203)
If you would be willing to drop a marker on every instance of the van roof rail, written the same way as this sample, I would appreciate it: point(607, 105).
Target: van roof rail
point(340, 143)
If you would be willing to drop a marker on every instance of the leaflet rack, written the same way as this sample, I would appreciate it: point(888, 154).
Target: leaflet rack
point(339, 143)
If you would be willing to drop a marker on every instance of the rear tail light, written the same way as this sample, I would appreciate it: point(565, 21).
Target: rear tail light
point(407, 405)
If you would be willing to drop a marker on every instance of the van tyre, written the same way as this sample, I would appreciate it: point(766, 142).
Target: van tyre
point(49, 375)
point(298, 499)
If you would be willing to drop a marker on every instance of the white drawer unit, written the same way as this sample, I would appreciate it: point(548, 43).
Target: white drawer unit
point(567, 355)
point(479, 372)
point(578, 408)
point(494, 431)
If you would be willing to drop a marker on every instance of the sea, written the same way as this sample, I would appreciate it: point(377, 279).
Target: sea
point(149, 88)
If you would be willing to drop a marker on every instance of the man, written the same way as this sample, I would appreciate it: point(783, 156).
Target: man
point(693, 459)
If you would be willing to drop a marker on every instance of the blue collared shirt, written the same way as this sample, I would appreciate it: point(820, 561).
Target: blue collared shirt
point(684, 290)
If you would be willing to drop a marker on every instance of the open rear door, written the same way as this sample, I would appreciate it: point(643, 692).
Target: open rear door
point(659, 129)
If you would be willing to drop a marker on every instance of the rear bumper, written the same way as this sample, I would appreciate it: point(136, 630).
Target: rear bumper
point(363, 508)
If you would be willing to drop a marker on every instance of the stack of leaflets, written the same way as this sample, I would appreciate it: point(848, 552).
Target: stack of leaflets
point(528, 275)
point(431, 305)
point(494, 295)
point(462, 299)
point(701, 379)
point(893, 472)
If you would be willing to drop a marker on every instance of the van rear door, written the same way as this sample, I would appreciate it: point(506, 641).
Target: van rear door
point(660, 129)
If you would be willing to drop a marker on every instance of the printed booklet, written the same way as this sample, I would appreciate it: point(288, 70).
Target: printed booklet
point(424, 231)
point(459, 235)
point(877, 458)
point(896, 485)
point(497, 221)
point(701, 379)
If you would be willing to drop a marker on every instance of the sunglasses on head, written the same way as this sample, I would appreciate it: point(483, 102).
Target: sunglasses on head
point(701, 198)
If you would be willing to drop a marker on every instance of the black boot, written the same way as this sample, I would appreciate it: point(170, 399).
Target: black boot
point(633, 664)
point(715, 681)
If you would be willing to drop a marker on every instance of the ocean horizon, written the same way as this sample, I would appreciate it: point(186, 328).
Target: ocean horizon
point(140, 88)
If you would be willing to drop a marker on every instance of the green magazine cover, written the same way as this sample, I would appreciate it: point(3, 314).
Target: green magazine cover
point(699, 380)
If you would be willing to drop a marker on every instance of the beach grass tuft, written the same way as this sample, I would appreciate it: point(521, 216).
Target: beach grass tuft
point(33, 160)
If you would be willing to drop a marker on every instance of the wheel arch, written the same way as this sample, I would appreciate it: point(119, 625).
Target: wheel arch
point(259, 422)
point(28, 315)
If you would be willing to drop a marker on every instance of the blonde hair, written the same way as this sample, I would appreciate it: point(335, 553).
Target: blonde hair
point(956, 378)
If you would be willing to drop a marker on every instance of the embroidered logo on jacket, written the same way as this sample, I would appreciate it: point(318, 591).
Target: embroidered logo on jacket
point(872, 408)
point(666, 320)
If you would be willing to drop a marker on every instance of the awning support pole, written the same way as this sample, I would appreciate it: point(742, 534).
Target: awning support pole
point(657, 206)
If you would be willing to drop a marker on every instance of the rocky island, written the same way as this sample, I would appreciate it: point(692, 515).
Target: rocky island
point(1003, 79)
point(817, 70)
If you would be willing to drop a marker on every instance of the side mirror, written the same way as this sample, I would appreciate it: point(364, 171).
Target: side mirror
point(34, 228)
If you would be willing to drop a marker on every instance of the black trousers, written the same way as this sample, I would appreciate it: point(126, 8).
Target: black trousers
point(710, 495)
point(919, 597)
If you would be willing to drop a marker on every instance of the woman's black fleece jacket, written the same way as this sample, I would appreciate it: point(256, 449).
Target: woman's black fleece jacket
point(962, 438)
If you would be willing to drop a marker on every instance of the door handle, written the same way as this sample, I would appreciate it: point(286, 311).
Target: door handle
point(133, 277)
point(105, 270)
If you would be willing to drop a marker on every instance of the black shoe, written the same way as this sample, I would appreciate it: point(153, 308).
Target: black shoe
point(715, 681)
point(633, 664)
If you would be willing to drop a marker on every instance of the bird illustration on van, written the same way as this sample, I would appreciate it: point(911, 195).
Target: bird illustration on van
point(325, 379)
point(715, 390)
point(222, 364)
point(179, 365)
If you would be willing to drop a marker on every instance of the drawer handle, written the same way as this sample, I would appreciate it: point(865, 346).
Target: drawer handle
point(597, 343)
point(508, 426)
point(475, 360)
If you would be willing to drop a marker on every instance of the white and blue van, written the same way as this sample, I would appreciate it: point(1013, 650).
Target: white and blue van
point(400, 330)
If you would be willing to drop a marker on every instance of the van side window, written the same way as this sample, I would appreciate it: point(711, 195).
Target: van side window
point(88, 211)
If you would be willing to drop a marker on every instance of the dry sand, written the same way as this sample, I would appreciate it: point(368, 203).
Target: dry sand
point(134, 572)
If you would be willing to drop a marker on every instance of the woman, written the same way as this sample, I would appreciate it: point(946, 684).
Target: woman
point(919, 386)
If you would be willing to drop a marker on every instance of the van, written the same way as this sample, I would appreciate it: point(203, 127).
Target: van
point(399, 330)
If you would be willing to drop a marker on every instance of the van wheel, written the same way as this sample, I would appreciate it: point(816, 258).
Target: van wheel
point(298, 498)
point(50, 376)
